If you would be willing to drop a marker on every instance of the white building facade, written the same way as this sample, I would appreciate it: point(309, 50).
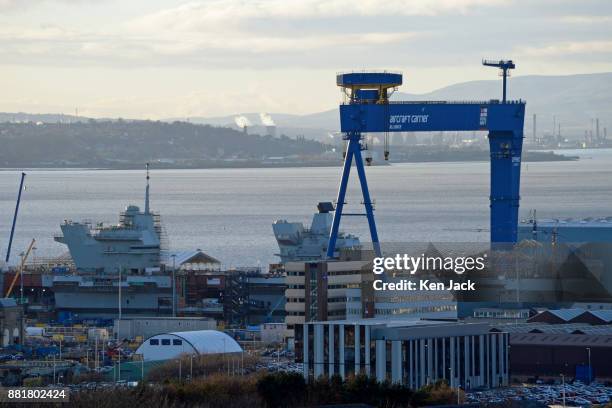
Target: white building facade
point(170, 346)
point(411, 352)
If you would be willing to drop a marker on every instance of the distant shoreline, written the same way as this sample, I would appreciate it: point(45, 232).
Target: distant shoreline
point(432, 157)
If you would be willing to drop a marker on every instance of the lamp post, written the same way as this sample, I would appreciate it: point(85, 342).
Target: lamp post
point(590, 369)
point(563, 389)
point(119, 363)
point(22, 255)
point(451, 385)
point(173, 285)
point(119, 293)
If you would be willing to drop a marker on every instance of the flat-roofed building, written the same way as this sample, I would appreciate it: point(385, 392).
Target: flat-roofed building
point(545, 349)
point(344, 290)
point(410, 352)
point(318, 290)
point(144, 327)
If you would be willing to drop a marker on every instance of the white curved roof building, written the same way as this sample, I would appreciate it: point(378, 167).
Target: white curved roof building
point(168, 346)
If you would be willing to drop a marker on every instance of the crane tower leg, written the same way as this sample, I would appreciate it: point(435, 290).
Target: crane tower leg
point(367, 202)
point(506, 148)
point(346, 171)
point(353, 150)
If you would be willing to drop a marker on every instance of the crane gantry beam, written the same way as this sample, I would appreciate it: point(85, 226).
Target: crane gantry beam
point(369, 110)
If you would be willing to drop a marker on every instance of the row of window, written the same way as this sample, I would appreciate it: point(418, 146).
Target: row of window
point(166, 342)
point(335, 286)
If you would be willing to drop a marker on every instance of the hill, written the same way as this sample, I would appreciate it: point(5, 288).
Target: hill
point(123, 144)
point(573, 99)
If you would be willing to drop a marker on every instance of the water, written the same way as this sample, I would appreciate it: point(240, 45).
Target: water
point(228, 212)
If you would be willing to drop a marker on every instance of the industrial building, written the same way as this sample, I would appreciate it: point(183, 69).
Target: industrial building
point(410, 352)
point(169, 346)
point(144, 327)
point(576, 315)
point(545, 349)
point(273, 333)
point(11, 322)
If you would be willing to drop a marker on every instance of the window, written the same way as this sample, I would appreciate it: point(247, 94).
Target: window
point(154, 342)
point(177, 342)
point(165, 342)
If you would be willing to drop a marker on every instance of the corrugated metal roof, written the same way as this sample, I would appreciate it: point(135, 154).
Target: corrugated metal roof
point(544, 328)
point(567, 314)
point(564, 314)
point(563, 339)
point(605, 315)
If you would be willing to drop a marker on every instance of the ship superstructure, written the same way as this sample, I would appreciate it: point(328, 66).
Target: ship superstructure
point(128, 255)
point(298, 243)
point(135, 244)
point(567, 230)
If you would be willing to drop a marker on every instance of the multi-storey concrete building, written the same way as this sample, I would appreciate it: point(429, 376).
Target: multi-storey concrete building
point(343, 290)
point(318, 290)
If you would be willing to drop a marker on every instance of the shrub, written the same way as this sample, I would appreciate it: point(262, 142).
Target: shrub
point(282, 389)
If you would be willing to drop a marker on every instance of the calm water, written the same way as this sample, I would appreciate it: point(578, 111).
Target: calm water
point(228, 212)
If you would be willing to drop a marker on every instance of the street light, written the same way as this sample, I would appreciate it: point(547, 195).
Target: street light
point(590, 369)
point(173, 285)
point(563, 389)
point(451, 385)
point(119, 294)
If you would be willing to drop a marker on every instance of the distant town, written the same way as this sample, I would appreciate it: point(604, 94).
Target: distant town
point(122, 144)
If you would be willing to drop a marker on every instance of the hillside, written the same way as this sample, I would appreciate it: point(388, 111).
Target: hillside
point(129, 144)
point(573, 99)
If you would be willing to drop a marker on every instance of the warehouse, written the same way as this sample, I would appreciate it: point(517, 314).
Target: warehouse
point(169, 346)
point(410, 352)
point(144, 327)
point(553, 349)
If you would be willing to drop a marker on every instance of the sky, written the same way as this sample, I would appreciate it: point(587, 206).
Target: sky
point(154, 59)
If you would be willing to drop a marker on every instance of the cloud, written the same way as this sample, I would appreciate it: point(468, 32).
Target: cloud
point(568, 48)
point(586, 19)
point(18, 5)
point(228, 32)
point(61, 42)
point(198, 16)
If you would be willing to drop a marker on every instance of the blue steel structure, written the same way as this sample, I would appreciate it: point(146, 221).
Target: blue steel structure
point(369, 110)
point(504, 66)
point(10, 243)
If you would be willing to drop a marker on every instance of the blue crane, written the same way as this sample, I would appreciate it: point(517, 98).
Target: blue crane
point(504, 66)
point(368, 109)
point(10, 243)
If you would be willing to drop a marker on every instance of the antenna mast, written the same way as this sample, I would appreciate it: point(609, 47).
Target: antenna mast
point(146, 211)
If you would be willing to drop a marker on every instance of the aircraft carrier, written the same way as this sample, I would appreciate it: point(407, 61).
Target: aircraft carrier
point(299, 243)
point(126, 259)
